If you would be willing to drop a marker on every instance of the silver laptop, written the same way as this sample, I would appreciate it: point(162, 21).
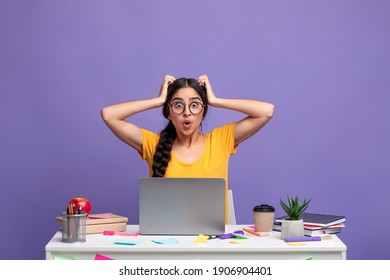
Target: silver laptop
point(181, 206)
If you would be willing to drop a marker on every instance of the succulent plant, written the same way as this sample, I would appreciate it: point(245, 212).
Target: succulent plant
point(294, 210)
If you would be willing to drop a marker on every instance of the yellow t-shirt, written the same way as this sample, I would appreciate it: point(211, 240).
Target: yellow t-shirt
point(213, 163)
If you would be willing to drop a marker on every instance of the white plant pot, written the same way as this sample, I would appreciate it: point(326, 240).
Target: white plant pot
point(292, 228)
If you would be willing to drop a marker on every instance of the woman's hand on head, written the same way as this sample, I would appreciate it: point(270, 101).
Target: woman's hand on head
point(164, 87)
point(204, 81)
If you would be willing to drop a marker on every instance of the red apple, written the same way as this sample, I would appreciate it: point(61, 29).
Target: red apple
point(83, 202)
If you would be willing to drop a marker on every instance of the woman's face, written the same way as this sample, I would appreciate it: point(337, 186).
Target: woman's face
point(186, 111)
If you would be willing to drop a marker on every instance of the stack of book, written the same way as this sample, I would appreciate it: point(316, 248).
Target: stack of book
point(316, 224)
point(98, 223)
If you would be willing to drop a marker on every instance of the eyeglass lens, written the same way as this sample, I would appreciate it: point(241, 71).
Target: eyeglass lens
point(194, 107)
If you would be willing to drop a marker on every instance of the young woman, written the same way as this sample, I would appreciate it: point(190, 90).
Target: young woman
point(181, 149)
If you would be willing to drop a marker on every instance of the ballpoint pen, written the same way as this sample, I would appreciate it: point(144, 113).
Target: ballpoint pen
point(67, 222)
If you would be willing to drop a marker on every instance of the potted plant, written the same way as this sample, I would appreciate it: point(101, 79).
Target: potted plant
point(293, 226)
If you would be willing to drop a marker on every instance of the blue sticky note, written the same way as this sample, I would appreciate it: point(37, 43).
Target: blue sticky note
point(127, 242)
point(170, 240)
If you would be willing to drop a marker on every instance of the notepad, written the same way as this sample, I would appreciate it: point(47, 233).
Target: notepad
point(317, 219)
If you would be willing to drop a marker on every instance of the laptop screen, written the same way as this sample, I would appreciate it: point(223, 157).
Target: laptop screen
point(182, 206)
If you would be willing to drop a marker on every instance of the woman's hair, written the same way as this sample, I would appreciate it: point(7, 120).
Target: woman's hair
point(168, 134)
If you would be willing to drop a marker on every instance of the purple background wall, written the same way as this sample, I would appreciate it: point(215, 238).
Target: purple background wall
point(324, 64)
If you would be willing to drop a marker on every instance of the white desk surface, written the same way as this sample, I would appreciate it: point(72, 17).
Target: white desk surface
point(270, 247)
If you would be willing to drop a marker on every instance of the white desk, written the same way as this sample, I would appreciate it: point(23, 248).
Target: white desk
point(258, 248)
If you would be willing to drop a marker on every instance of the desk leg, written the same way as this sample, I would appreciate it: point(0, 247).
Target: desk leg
point(343, 255)
point(49, 256)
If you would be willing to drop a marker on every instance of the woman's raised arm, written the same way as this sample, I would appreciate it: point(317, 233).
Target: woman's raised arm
point(115, 115)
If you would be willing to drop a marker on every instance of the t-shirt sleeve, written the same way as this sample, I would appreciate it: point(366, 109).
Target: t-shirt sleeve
point(225, 136)
point(149, 142)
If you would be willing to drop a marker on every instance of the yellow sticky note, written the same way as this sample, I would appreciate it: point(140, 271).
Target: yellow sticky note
point(201, 238)
point(295, 243)
point(237, 242)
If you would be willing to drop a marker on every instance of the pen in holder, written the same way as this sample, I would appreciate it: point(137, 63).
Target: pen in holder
point(74, 227)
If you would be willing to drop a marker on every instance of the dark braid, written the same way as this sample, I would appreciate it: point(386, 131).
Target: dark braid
point(168, 135)
point(163, 150)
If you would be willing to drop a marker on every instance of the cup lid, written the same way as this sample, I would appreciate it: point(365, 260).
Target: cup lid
point(264, 208)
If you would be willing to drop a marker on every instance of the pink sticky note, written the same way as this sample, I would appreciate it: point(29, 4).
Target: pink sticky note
point(99, 257)
point(100, 216)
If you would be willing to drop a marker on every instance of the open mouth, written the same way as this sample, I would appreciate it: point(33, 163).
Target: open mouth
point(187, 123)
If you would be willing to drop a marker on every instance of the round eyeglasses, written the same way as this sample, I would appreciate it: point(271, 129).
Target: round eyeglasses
point(178, 107)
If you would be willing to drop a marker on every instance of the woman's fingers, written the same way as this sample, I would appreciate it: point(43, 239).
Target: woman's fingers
point(168, 79)
point(203, 80)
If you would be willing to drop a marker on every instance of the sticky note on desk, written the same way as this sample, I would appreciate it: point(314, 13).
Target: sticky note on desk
point(239, 236)
point(201, 238)
point(127, 242)
point(99, 257)
point(237, 242)
point(64, 257)
point(170, 240)
point(295, 243)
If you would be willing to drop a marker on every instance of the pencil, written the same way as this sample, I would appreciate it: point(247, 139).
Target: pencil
point(76, 222)
point(251, 231)
point(73, 225)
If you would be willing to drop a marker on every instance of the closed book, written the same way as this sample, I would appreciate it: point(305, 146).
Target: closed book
point(97, 223)
point(316, 232)
point(311, 227)
point(278, 226)
point(310, 232)
point(104, 218)
point(100, 228)
point(317, 219)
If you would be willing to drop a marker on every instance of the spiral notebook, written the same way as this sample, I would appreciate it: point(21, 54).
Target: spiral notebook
point(323, 220)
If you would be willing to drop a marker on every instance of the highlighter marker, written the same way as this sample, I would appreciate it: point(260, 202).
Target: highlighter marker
point(226, 236)
point(302, 239)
